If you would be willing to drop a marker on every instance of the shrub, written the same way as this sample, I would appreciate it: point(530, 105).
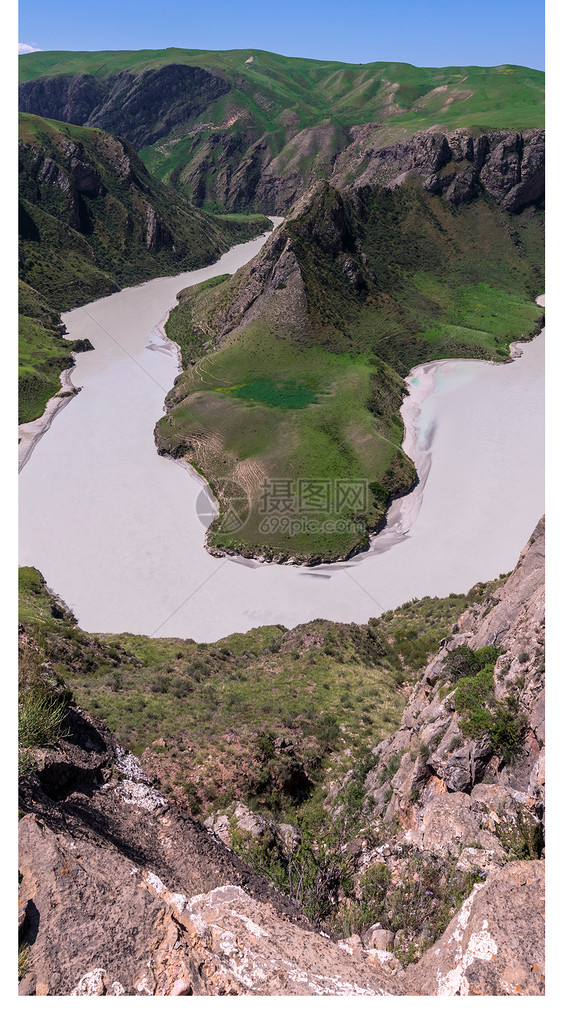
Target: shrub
point(507, 729)
point(193, 797)
point(419, 905)
point(315, 873)
point(265, 748)
point(40, 716)
point(424, 752)
point(161, 684)
point(522, 839)
point(328, 731)
point(23, 960)
point(391, 768)
point(480, 713)
point(471, 697)
point(463, 661)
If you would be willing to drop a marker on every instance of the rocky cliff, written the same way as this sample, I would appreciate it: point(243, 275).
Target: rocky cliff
point(461, 164)
point(465, 749)
point(92, 217)
point(121, 893)
point(142, 107)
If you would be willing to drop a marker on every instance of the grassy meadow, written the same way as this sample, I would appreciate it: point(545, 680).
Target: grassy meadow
point(316, 426)
point(507, 96)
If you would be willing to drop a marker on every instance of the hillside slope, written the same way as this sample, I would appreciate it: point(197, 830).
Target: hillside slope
point(251, 129)
point(92, 219)
point(431, 844)
point(295, 366)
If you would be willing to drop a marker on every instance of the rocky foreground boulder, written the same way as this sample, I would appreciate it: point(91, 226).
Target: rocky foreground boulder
point(121, 893)
point(494, 946)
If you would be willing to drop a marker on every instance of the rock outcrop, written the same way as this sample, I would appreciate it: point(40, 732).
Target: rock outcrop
point(120, 894)
point(494, 946)
point(460, 165)
point(142, 107)
point(448, 787)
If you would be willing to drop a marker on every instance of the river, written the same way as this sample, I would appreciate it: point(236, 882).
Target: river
point(113, 526)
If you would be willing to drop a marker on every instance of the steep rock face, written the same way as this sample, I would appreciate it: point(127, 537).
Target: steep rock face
point(494, 946)
point(85, 194)
point(120, 894)
point(123, 894)
point(472, 804)
point(141, 107)
point(448, 787)
point(459, 164)
point(239, 170)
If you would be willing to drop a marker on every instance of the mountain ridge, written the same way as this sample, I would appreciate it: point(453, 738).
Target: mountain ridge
point(272, 111)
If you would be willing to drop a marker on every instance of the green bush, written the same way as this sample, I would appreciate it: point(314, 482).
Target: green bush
point(463, 661)
point(424, 752)
point(23, 960)
point(420, 904)
point(480, 713)
point(472, 696)
point(507, 729)
point(391, 767)
point(328, 731)
point(40, 717)
point(522, 839)
point(315, 874)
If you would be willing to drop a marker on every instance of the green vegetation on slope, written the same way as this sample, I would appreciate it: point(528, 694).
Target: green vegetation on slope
point(299, 110)
point(507, 96)
point(386, 280)
point(273, 718)
point(92, 220)
point(317, 429)
point(333, 689)
point(403, 274)
point(43, 353)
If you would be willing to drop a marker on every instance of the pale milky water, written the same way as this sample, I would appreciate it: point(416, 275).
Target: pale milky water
point(113, 526)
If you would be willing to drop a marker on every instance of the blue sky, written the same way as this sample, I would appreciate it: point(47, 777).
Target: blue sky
point(484, 32)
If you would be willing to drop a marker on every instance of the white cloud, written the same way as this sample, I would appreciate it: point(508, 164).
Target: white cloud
point(24, 47)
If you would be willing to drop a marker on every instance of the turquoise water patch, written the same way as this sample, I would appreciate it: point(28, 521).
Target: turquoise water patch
point(286, 394)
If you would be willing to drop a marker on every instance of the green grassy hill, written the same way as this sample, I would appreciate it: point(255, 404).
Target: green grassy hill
point(92, 220)
point(506, 96)
point(237, 112)
point(312, 340)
